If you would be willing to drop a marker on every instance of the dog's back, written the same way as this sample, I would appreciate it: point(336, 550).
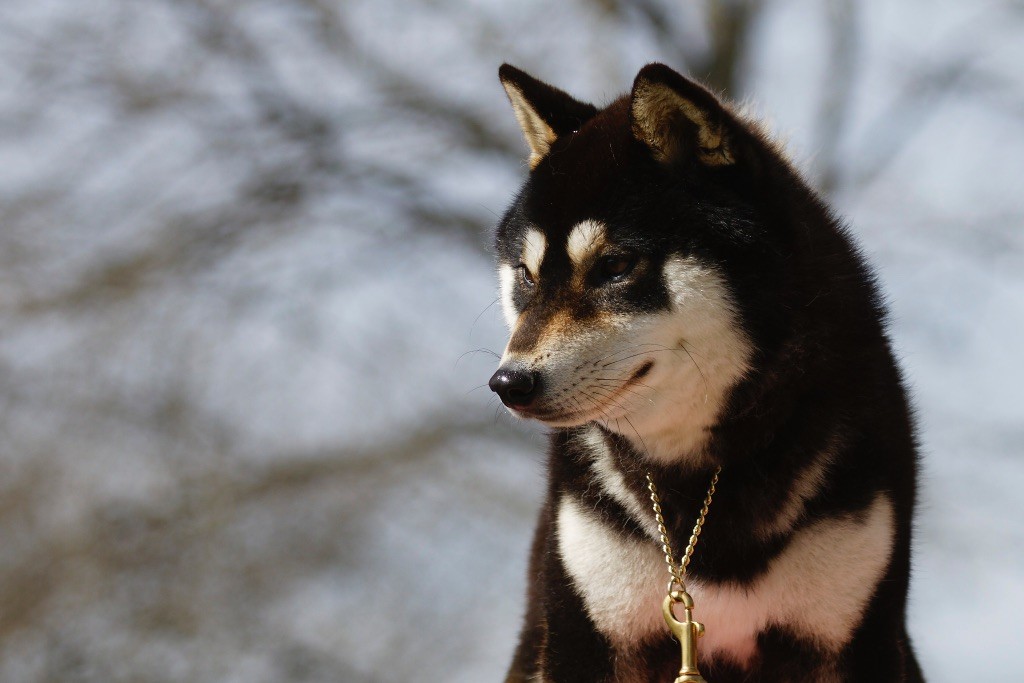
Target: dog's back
point(680, 301)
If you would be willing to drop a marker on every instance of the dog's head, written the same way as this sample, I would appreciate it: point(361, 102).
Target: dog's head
point(633, 261)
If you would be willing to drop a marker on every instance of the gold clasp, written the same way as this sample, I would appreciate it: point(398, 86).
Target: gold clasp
point(686, 632)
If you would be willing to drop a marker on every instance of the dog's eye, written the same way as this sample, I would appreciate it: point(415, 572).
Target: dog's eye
point(524, 273)
point(616, 267)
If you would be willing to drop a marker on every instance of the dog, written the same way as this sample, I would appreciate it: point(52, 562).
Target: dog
point(680, 301)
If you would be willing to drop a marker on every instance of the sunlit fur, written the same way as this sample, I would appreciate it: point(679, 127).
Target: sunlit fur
point(534, 245)
point(538, 134)
point(812, 588)
point(506, 281)
point(699, 352)
point(585, 241)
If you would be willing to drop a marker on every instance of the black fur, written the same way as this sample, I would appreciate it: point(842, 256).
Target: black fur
point(823, 374)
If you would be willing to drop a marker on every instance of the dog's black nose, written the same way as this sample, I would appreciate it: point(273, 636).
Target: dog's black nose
point(516, 388)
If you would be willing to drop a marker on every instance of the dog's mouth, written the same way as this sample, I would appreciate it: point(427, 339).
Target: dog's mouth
point(641, 372)
point(596, 405)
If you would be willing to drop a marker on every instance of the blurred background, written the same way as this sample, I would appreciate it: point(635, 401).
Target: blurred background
point(246, 313)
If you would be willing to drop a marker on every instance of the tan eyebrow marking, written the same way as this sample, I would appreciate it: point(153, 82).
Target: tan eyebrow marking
point(586, 239)
point(534, 246)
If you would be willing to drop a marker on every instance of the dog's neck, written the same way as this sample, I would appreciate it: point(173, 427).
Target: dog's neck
point(764, 484)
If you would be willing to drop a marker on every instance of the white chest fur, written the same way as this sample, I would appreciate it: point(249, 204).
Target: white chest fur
point(817, 587)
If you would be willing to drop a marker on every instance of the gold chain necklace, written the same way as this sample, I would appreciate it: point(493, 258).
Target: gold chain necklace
point(688, 631)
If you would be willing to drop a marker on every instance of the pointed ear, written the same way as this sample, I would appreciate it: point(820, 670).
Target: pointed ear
point(545, 113)
point(675, 117)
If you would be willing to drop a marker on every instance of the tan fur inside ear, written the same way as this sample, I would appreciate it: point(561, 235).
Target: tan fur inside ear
point(658, 112)
point(539, 135)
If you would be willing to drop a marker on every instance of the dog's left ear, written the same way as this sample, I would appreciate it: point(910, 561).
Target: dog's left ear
point(677, 118)
point(545, 113)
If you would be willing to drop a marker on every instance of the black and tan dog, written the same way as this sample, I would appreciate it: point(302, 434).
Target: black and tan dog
point(680, 300)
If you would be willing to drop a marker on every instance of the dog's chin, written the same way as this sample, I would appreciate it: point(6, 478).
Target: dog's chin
point(561, 420)
point(552, 418)
point(565, 421)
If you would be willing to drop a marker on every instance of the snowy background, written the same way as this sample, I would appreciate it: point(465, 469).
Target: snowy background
point(244, 254)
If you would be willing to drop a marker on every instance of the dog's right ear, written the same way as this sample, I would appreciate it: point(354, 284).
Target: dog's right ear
point(676, 118)
point(545, 113)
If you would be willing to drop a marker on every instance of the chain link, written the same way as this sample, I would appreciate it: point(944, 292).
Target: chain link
point(677, 572)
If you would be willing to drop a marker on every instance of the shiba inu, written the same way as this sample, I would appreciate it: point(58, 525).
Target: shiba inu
point(680, 300)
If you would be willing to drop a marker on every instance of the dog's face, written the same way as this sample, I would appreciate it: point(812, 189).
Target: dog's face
point(630, 262)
